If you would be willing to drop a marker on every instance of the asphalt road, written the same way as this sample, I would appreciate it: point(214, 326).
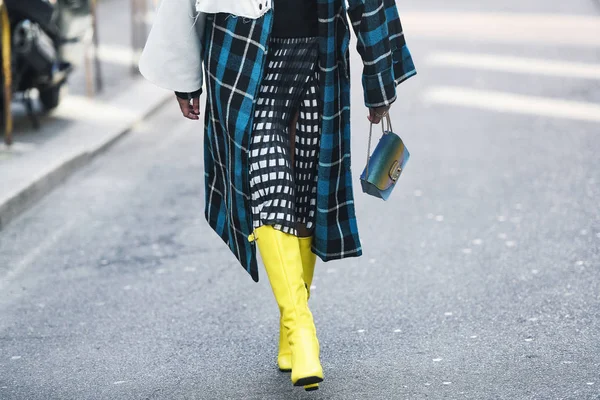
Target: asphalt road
point(480, 278)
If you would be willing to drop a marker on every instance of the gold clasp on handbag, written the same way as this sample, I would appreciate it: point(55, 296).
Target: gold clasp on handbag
point(395, 171)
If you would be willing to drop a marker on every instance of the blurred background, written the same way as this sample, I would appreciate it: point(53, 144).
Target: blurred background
point(480, 276)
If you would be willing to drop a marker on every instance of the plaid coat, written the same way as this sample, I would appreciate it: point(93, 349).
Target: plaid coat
point(234, 55)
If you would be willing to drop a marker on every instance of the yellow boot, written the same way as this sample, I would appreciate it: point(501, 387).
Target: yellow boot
point(284, 356)
point(281, 255)
point(309, 260)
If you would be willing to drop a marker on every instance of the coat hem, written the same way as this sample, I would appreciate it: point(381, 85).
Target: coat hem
point(325, 257)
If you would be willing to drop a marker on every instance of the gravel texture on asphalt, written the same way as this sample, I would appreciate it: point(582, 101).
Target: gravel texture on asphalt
point(480, 278)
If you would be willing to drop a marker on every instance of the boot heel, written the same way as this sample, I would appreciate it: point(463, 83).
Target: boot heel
point(310, 388)
point(283, 369)
point(306, 366)
point(309, 381)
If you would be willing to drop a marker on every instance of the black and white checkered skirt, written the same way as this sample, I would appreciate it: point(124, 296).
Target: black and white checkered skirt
point(283, 178)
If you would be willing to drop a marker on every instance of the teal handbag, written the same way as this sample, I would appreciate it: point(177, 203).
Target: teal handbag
point(386, 164)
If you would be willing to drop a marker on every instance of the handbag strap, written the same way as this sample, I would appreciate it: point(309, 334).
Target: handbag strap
point(389, 123)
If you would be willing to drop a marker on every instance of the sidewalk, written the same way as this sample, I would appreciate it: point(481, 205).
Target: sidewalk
point(81, 127)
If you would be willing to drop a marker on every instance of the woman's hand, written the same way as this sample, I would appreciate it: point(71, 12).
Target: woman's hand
point(375, 114)
point(190, 108)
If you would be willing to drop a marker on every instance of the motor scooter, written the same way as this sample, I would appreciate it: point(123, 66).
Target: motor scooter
point(47, 39)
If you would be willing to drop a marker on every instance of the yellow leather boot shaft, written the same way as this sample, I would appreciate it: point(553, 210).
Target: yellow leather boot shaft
point(309, 260)
point(281, 255)
point(284, 356)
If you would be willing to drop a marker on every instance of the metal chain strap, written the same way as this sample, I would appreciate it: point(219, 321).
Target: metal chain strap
point(390, 129)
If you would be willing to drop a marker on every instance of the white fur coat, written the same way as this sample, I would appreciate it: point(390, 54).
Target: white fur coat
point(172, 57)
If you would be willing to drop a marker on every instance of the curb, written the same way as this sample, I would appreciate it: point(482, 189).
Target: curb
point(35, 190)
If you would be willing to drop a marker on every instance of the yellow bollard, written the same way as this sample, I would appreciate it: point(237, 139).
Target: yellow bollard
point(6, 72)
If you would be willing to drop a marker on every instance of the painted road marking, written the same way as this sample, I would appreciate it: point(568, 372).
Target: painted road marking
point(513, 103)
point(516, 28)
point(34, 253)
point(536, 66)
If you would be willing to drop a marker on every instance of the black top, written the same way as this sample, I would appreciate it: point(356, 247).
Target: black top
point(295, 18)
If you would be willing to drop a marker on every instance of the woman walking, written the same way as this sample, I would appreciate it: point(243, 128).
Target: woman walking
point(277, 132)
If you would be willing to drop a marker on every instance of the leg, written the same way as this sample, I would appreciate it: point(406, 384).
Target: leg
point(301, 227)
point(274, 207)
point(306, 151)
point(281, 255)
point(284, 356)
point(306, 156)
point(304, 233)
point(303, 138)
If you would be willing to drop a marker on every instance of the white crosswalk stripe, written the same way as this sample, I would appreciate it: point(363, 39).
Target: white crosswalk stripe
point(544, 33)
point(510, 28)
point(513, 103)
point(525, 65)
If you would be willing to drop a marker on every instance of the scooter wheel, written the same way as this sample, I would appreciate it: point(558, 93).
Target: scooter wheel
point(50, 97)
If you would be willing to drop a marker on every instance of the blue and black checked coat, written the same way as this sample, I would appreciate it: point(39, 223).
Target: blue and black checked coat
point(234, 56)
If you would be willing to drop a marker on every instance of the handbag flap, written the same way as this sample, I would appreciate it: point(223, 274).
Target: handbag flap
point(387, 161)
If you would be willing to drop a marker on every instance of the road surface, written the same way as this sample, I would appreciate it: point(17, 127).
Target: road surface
point(479, 280)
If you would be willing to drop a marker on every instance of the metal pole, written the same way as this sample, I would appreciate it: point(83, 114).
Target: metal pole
point(96, 44)
point(89, 86)
point(143, 13)
point(135, 35)
point(139, 30)
point(93, 71)
point(7, 73)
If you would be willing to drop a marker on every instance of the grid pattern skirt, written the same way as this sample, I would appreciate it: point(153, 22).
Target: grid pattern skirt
point(283, 169)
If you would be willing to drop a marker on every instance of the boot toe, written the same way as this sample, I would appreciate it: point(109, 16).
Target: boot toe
point(284, 362)
point(310, 388)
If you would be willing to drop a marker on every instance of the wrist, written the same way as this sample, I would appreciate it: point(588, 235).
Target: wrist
point(189, 95)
